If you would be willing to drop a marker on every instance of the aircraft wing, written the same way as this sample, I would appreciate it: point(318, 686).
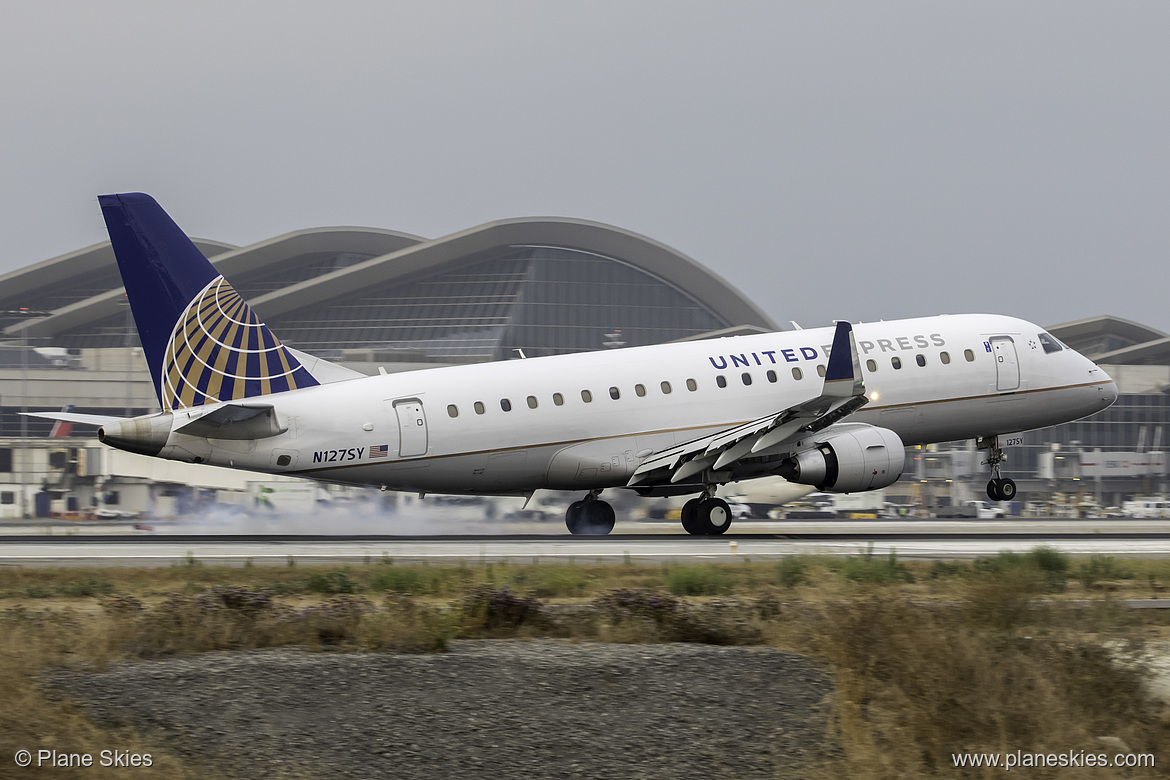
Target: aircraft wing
point(75, 417)
point(768, 437)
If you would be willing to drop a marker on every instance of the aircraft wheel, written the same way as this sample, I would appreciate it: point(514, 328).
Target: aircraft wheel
point(1007, 489)
point(599, 518)
point(689, 515)
point(712, 516)
point(993, 490)
point(573, 517)
point(593, 518)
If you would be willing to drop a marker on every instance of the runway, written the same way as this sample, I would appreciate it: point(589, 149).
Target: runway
point(641, 543)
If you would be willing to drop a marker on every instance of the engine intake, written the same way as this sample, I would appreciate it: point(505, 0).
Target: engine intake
point(859, 459)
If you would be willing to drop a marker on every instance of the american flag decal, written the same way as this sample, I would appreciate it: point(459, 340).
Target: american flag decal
point(379, 450)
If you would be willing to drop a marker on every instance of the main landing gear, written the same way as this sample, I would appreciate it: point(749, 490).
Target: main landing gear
point(998, 489)
point(706, 515)
point(590, 516)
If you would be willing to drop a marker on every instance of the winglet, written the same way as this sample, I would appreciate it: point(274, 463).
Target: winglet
point(843, 374)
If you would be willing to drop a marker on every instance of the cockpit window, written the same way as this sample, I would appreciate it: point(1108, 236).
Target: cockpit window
point(1049, 343)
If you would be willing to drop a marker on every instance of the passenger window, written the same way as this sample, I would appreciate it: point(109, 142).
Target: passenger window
point(969, 355)
point(692, 385)
point(746, 378)
point(587, 396)
point(721, 381)
point(452, 410)
point(614, 393)
point(640, 391)
point(772, 376)
point(920, 360)
point(896, 362)
point(558, 399)
point(505, 404)
point(797, 374)
point(945, 357)
point(871, 364)
point(531, 402)
point(479, 407)
point(666, 388)
point(821, 370)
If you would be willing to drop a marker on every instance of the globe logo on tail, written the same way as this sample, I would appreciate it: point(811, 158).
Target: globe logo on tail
point(221, 351)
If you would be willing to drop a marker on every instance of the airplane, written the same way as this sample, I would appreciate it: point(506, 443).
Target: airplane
point(831, 408)
point(62, 429)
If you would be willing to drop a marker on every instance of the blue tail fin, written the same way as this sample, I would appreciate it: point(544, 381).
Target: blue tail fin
point(202, 341)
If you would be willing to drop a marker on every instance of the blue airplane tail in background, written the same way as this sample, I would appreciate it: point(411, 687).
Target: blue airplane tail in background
point(203, 343)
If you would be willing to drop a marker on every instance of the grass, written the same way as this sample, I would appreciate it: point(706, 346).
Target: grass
point(809, 576)
point(929, 658)
point(916, 685)
point(699, 580)
point(30, 720)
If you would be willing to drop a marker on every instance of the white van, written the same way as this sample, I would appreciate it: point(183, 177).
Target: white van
point(985, 510)
point(1146, 507)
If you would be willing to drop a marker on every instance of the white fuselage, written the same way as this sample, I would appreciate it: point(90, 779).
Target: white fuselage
point(516, 426)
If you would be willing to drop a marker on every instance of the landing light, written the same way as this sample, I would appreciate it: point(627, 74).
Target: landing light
point(873, 396)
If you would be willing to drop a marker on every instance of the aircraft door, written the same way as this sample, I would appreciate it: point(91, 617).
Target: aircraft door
point(1007, 366)
point(412, 428)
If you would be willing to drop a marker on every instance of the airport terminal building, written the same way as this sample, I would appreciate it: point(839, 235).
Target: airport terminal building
point(367, 298)
point(375, 299)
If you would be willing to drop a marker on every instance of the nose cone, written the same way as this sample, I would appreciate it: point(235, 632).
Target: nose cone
point(1109, 392)
point(1106, 387)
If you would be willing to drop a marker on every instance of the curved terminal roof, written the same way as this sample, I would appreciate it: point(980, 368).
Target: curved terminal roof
point(69, 278)
point(309, 267)
point(1152, 353)
point(251, 269)
point(450, 252)
point(1104, 324)
point(1108, 339)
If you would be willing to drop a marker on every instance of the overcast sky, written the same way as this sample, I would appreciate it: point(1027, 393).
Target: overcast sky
point(832, 160)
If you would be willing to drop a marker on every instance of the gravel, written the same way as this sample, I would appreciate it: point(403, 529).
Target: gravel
point(498, 708)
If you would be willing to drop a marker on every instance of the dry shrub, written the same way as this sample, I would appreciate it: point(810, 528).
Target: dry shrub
point(31, 642)
point(403, 625)
point(634, 615)
point(234, 618)
point(400, 625)
point(917, 683)
point(221, 618)
point(490, 612)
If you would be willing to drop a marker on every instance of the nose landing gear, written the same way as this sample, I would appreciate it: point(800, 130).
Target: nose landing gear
point(590, 516)
point(998, 489)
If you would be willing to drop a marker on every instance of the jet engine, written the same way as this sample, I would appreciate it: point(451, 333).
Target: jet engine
point(846, 461)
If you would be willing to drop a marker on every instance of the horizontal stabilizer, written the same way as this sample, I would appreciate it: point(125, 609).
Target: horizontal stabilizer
point(75, 417)
point(235, 421)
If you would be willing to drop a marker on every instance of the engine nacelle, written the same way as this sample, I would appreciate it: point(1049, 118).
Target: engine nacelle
point(849, 461)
